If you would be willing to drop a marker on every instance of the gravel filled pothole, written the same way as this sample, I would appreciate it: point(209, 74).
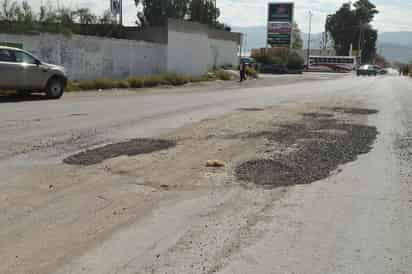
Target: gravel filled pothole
point(322, 146)
point(251, 109)
point(355, 111)
point(130, 148)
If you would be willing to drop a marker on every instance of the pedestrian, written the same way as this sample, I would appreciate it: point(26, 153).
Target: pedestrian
point(242, 71)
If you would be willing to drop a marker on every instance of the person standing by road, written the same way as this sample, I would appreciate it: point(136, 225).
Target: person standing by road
point(242, 70)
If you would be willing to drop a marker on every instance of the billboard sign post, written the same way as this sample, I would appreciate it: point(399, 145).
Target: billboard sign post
point(280, 24)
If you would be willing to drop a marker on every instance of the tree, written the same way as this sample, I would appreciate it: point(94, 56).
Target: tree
point(297, 42)
point(157, 11)
point(86, 17)
point(204, 11)
point(11, 10)
point(107, 18)
point(352, 27)
point(365, 11)
point(28, 14)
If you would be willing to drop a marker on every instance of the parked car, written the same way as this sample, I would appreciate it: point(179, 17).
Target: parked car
point(274, 68)
point(368, 70)
point(23, 72)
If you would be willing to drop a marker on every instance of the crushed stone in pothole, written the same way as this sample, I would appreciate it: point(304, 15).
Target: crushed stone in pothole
point(317, 115)
point(322, 146)
point(129, 148)
point(355, 111)
point(251, 109)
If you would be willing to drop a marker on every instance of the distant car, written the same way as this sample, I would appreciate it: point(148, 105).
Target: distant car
point(274, 68)
point(383, 71)
point(368, 70)
point(250, 62)
point(25, 73)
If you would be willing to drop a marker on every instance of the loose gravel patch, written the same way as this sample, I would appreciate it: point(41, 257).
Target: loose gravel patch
point(316, 115)
point(321, 146)
point(355, 111)
point(129, 148)
point(251, 109)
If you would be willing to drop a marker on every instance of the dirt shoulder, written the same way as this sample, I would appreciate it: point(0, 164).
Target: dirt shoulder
point(265, 80)
point(161, 209)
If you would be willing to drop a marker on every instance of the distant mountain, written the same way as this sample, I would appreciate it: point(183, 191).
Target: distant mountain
point(399, 38)
point(396, 52)
point(395, 46)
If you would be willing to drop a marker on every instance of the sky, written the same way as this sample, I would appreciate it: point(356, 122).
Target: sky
point(395, 15)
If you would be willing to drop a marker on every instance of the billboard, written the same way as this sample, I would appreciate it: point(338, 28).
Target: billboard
point(280, 24)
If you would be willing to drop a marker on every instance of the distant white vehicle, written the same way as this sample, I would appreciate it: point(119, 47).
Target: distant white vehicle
point(333, 63)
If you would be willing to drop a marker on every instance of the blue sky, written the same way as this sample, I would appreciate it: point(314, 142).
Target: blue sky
point(395, 15)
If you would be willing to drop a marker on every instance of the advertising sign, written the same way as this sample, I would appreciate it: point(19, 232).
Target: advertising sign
point(280, 24)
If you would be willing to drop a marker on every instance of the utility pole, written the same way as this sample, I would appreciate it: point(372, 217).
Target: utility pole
point(215, 12)
point(121, 12)
point(310, 30)
point(360, 46)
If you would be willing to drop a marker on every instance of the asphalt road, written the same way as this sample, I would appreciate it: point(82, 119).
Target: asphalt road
point(356, 221)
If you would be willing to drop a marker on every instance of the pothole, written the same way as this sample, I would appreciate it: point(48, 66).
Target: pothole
point(322, 146)
point(251, 109)
point(129, 148)
point(355, 111)
point(317, 115)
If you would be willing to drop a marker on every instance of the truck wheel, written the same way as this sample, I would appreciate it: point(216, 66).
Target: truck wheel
point(55, 88)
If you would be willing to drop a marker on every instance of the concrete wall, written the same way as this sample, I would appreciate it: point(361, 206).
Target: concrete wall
point(181, 47)
point(87, 57)
point(188, 53)
point(223, 53)
point(194, 49)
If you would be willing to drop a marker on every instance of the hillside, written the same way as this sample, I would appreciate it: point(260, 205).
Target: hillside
point(395, 46)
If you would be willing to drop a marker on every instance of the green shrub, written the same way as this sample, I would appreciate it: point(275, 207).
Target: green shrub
point(86, 85)
point(222, 75)
point(136, 82)
point(252, 72)
point(104, 84)
point(277, 56)
point(72, 86)
point(153, 81)
point(149, 81)
point(122, 84)
point(268, 59)
point(198, 79)
point(175, 79)
point(295, 61)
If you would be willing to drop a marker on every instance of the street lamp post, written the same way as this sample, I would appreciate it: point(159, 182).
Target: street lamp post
point(310, 30)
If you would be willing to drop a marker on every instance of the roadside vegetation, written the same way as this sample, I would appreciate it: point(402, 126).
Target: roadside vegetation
point(351, 26)
point(251, 72)
point(280, 56)
point(136, 82)
point(18, 17)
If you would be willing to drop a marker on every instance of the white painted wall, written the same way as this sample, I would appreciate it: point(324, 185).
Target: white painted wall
point(196, 54)
point(223, 53)
point(87, 57)
point(188, 53)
